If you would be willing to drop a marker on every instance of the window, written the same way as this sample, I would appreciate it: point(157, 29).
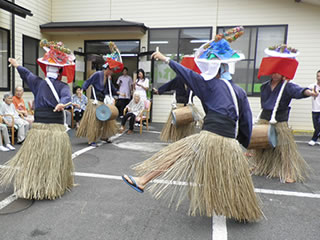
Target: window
point(4, 54)
point(252, 45)
point(30, 56)
point(175, 43)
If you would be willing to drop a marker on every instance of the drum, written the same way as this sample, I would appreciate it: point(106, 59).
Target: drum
point(263, 136)
point(182, 116)
point(107, 112)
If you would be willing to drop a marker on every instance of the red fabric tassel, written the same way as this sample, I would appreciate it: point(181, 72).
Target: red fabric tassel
point(285, 66)
point(189, 62)
point(115, 65)
point(68, 71)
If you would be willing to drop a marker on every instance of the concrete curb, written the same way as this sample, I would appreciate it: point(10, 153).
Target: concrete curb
point(302, 132)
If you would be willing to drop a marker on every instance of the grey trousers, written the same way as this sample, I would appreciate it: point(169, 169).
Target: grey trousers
point(4, 135)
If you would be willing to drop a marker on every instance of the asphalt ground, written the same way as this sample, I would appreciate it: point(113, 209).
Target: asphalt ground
point(102, 206)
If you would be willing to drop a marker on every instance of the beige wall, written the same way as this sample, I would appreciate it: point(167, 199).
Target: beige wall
point(302, 20)
point(153, 13)
point(29, 26)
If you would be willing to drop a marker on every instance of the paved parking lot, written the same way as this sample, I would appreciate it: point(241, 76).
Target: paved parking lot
point(101, 206)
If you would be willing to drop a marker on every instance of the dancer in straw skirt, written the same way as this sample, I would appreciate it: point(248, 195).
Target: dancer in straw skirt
point(101, 86)
point(43, 167)
point(183, 96)
point(210, 167)
point(284, 161)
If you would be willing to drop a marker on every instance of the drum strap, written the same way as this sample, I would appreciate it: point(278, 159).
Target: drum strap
point(235, 101)
point(174, 101)
point(275, 109)
point(95, 102)
point(110, 100)
point(190, 97)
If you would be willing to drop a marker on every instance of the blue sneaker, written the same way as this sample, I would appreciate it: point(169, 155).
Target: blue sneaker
point(93, 144)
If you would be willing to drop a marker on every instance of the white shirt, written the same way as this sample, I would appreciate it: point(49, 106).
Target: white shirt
point(315, 101)
point(140, 90)
point(125, 83)
point(9, 109)
point(136, 108)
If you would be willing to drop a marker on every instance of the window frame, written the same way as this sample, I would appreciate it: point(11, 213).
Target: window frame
point(179, 32)
point(210, 28)
point(27, 89)
point(8, 88)
point(254, 80)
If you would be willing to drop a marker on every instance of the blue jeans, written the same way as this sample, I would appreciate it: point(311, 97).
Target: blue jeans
point(316, 125)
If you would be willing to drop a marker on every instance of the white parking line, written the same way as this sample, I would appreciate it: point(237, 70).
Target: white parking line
point(258, 190)
point(219, 228)
point(8, 200)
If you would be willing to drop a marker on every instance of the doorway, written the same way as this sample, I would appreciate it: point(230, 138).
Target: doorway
point(96, 49)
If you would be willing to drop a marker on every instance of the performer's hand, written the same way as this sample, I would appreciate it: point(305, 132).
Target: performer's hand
point(159, 55)
point(155, 90)
point(314, 94)
point(59, 107)
point(13, 62)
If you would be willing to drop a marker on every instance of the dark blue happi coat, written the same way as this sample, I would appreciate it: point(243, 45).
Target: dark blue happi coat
point(216, 97)
point(43, 96)
point(97, 81)
point(177, 84)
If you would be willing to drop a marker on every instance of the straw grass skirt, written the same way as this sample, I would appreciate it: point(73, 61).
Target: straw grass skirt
point(43, 167)
point(215, 172)
point(109, 128)
point(172, 133)
point(284, 161)
point(90, 126)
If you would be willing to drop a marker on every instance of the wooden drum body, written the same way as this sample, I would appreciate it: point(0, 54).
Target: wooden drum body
point(263, 136)
point(107, 112)
point(182, 116)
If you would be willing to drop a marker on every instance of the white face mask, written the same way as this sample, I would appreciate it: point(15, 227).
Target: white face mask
point(52, 72)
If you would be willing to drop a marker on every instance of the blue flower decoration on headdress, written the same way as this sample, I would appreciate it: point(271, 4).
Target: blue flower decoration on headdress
point(218, 50)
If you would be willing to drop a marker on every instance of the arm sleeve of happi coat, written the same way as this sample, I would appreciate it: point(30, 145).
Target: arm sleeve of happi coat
point(191, 78)
point(296, 91)
point(245, 122)
point(28, 77)
point(90, 81)
point(65, 94)
point(167, 86)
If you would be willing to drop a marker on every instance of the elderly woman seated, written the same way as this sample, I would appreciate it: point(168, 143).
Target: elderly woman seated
point(20, 105)
point(5, 145)
point(135, 107)
point(7, 107)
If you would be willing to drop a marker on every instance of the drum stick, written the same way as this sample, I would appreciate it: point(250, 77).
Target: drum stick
point(65, 105)
point(17, 59)
point(157, 50)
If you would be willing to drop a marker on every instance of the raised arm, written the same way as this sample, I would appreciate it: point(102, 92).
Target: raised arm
point(191, 78)
point(27, 76)
point(168, 86)
point(89, 81)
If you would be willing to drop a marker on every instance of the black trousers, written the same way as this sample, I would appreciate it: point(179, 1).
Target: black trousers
point(131, 120)
point(316, 125)
point(121, 104)
point(78, 115)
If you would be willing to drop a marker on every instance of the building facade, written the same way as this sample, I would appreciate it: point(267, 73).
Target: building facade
point(177, 28)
